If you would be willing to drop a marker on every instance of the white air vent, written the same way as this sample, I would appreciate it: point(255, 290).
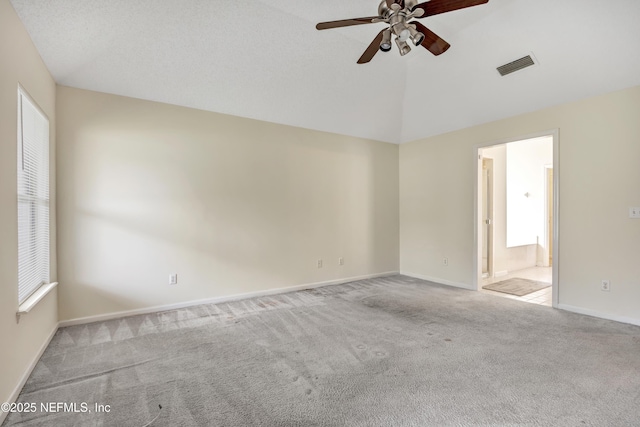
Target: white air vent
point(516, 65)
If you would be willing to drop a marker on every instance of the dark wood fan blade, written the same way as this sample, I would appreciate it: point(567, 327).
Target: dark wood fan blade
point(434, 7)
point(345, 22)
point(373, 48)
point(432, 42)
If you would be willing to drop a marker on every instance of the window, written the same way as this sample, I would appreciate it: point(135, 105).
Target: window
point(33, 197)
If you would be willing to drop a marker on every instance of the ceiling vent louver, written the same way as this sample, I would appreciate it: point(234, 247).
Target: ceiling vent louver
point(516, 65)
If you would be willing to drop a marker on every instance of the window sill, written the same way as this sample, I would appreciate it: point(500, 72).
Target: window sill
point(34, 299)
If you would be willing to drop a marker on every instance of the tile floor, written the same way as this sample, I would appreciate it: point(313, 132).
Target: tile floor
point(541, 274)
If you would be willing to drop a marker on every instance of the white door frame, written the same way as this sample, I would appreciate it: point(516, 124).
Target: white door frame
point(545, 254)
point(477, 220)
point(490, 234)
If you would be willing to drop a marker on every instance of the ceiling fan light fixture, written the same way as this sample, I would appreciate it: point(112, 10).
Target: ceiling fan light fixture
point(404, 35)
point(385, 44)
point(400, 28)
point(403, 46)
point(416, 36)
point(417, 39)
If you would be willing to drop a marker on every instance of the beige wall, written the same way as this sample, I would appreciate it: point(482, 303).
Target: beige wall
point(231, 205)
point(599, 181)
point(20, 64)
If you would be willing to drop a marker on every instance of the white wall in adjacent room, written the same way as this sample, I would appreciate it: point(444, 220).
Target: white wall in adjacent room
point(525, 188)
point(526, 162)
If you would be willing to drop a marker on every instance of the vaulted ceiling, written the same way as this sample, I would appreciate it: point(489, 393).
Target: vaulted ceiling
point(265, 59)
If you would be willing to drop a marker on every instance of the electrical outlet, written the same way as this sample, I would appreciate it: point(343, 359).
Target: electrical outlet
point(605, 286)
point(634, 212)
point(173, 279)
point(340, 261)
point(319, 263)
point(445, 261)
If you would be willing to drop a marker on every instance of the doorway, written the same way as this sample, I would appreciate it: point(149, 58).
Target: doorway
point(516, 209)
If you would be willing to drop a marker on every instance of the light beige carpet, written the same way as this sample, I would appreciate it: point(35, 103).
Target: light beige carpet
point(517, 286)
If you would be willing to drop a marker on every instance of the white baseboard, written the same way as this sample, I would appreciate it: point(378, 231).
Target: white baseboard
point(500, 273)
point(594, 313)
point(216, 300)
point(438, 280)
point(25, 376)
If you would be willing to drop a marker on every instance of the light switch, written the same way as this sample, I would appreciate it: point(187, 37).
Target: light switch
point(634, 212)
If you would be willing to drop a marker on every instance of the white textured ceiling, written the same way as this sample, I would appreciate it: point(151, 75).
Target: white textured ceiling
point(265, 59)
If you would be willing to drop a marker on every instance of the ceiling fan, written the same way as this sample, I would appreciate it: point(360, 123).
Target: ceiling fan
point(398, 14)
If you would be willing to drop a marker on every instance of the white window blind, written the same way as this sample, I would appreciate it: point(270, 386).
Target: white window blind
point(33, 198)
